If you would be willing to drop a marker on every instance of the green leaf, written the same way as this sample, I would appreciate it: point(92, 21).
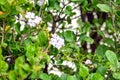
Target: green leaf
point(71, 78)
point(109, 41)
point(68, 10)
point(111, 56)
point(3, 66)
point(69, 36)
point(1, 56)
point(21, 2)
point(96, 76)
point(2, 2)
point(64, 77)
point(86, 38)
point(101, 49)
point(27, 42)
point(17, 28)
point(43, 37)
point(104, 7)
point(83, 71)
point(44, 76)
point(116, 75)
point(11, 76)
point(102, 70)
point(21, 67)
point(4, 45)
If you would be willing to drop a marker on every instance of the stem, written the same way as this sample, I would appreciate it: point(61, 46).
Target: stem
point(47, 48)
point(3, 32)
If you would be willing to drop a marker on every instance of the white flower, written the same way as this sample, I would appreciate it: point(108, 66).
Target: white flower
point(40, 2)
point(31, 23)
point(56, 41)
point(22, 23)
point(88, 62)
point(32, 20)
point(37, 20)
point(70, 65)
point(105, 75)
point(55, 71)
point(30, 15)
point(102, 28)
point(19, 18)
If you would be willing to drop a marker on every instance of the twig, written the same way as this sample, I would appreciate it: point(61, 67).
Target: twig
point(63, 8)
point(3, 32)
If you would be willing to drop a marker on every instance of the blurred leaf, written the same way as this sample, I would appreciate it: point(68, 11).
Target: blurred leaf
point(111, 56)
point(101, 49)
point(12, 75)
point(68, 10)
point(1, 56)
point(4, 45)
point(109, 42)
point(83, 71)
point(27, 41)
point(44, 76)
point(21, 67)
point(69, 36)
point(84, 38)
point(21, 2)
point(71, 78)
point(102, 70)
point(43, 38)
point(64, 77)
point(104, 7)
point(96, 76)
point(116, 75)
point(2, 2)
point(3, 66)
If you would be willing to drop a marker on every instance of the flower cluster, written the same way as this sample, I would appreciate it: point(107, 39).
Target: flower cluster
point(56, 41)
point(32, 19)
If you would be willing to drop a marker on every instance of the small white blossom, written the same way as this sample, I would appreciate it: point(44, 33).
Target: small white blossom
point(56, 41)
point(32, 19)
point(8, 59)
point(106, 76)
point(88, 62)
point(37, 20)
point(106, 35)
point(89, 50)
point(70, 65)
point(102, 28)
point(40, 2)
point(31, 23)
point(21, 20)
point(22, 23)
point(55, 71)
point(30, 15)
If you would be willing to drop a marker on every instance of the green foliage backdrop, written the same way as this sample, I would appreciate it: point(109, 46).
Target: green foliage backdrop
point(28, 47)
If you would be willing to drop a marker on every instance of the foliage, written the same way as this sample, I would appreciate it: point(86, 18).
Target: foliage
point(26, 51)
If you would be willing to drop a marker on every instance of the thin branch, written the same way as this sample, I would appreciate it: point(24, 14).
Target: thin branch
point(3, 32)
point(63, 8)
point(76, 17)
